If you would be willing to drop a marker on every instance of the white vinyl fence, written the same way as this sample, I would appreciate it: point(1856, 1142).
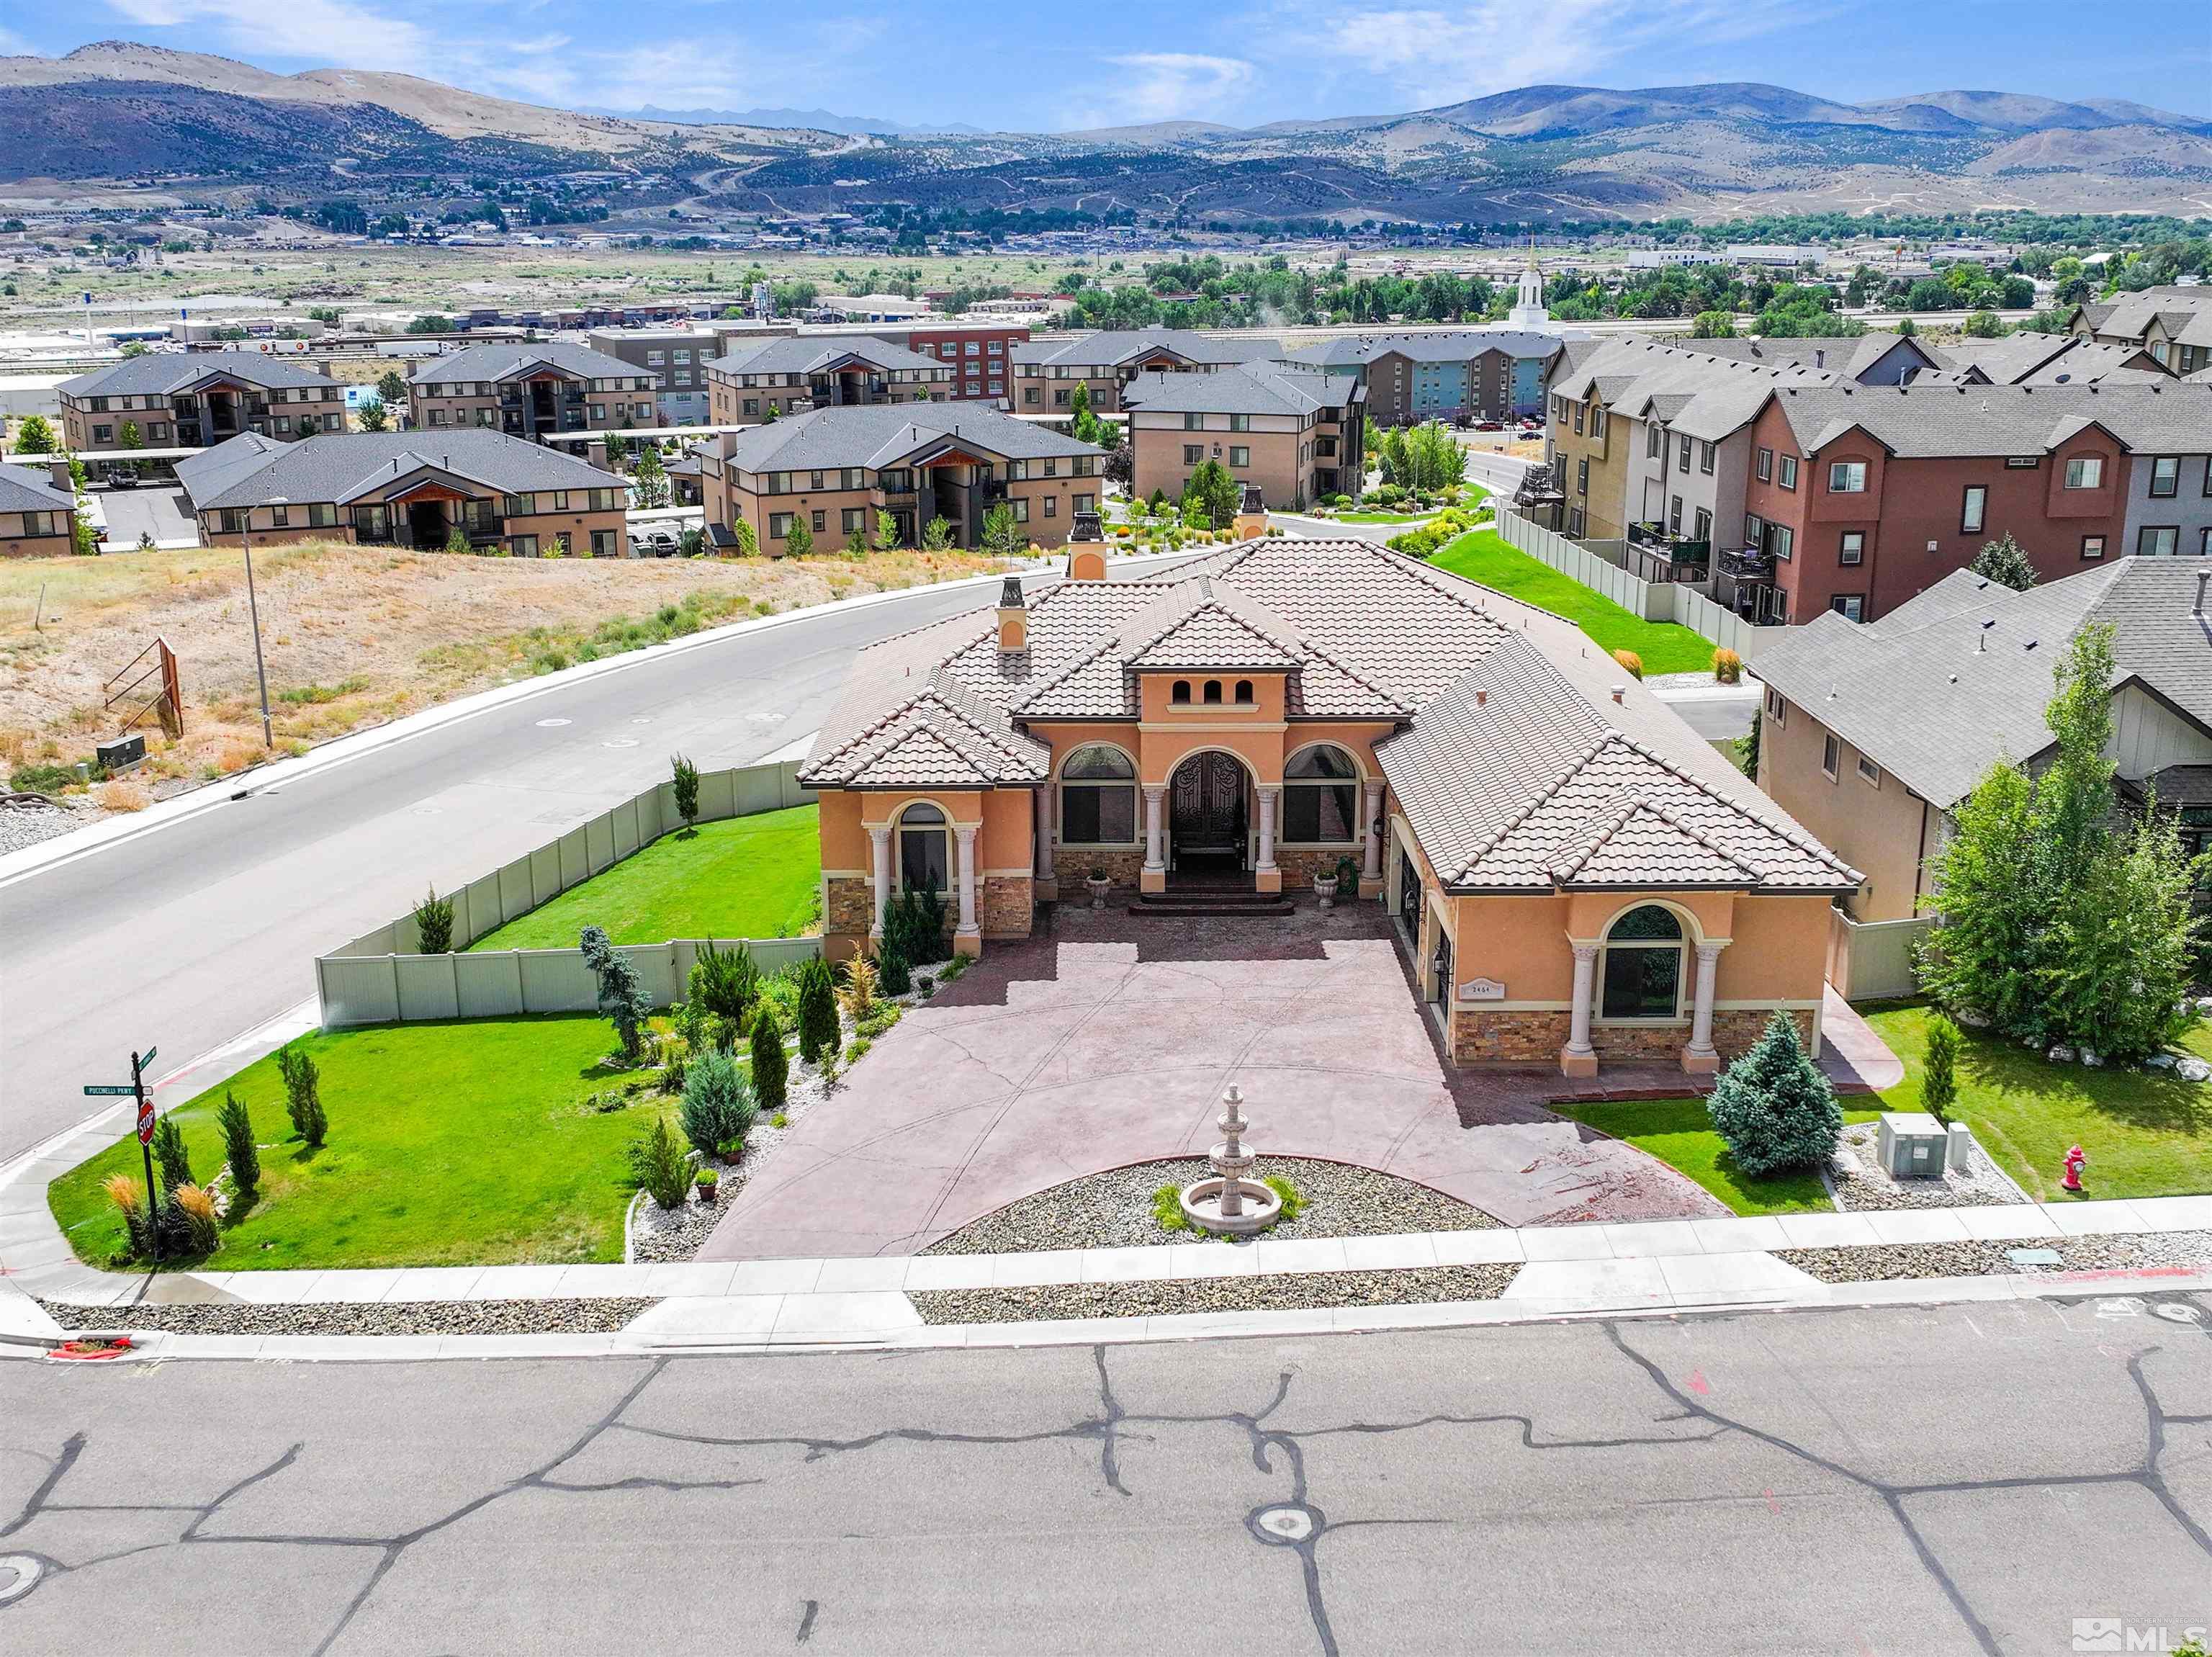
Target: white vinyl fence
point(1653, 600)
point(1869, 960)
point(382, 977)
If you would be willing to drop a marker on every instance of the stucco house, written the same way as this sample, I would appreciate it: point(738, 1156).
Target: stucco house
point(1576, 876)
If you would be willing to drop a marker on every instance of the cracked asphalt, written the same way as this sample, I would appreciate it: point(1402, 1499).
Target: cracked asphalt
point(1959, 1479)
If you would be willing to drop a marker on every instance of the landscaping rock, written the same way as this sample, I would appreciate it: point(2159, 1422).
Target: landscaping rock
point(1417, 1286)
point(2159, 1062)
point(363, 1318)
point(2193, 1070)
point(2092, 1059)
point(1115, 1210)
point(2061, 1054)
point(2204, 1006)
point(1971, 1021)
point(1891, 1261)
point(1861, 1186)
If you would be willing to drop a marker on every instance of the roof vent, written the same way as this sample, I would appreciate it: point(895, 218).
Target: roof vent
point(2203, 576)
point(1482, 697)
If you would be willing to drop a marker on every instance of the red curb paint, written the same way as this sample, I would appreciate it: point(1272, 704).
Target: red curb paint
point(92, 1351)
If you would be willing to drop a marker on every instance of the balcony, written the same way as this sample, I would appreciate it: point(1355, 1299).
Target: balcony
point(1659, 554)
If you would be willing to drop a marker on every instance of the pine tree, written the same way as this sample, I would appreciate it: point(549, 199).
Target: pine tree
point(303, 1098)
point(896, 976)
point(771, 1067)
point(622, 997)
point(2003, 561)
point(169, 1151)
point(1939, 1082)
point(684, 780)
point(1774, 1108)
point(238, 1148)
point(798, 539)
point(818, 1031)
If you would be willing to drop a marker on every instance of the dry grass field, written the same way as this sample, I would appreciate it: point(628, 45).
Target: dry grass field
point(354, 636)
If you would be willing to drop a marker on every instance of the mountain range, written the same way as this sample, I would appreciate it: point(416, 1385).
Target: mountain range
point(117, 112)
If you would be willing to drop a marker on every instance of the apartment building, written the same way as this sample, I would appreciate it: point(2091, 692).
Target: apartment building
point(1046, 372)
point(834, 470)
point(675, 359)
point(781, 377)
point(1299, 438)
point(38, 513)
point(180, 399)
point(2173, 324)
point(1860, 499)
point(1873, 735)
point(976, 348)
point(1868, 359)
point(2044, 359)
point(413, 488)
point(1442, 374)
point(540, 390)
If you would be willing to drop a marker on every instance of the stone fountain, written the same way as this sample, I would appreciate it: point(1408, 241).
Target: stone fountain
point(1230, 1203)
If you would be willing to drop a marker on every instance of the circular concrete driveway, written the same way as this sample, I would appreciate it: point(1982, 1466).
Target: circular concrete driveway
point(1109, 1042)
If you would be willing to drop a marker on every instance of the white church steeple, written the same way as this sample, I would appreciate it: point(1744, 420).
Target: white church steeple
point(1528, 310)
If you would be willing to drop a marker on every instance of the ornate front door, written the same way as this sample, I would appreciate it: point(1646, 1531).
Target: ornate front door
point(1207, 795)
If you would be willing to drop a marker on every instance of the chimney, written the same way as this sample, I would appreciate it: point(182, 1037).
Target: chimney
point(1481, 698)
point(1013, 618)
point(1620, 692)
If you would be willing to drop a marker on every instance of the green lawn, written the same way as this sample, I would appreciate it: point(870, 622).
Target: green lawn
point(461, 1143)
point(1665, 647)
point(2147, 1135)
point(743, 877)
point(1680, 1133)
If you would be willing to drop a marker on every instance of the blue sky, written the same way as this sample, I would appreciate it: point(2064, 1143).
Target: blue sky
point(1045, 67)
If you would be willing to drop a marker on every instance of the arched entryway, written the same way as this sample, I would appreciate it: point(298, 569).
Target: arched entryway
point(1209, 818)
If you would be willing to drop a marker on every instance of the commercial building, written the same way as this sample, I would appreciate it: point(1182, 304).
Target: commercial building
point(675, 359)
point(178, 400)
point(780, 377)
point(1575, 875)
point(1442, 374)
point(540, 390)
point(834, 470)
point(1298, 437)
point(412, 489)
point(1046, 372)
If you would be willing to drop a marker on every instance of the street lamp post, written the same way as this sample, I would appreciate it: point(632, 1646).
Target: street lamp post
point(253, 609)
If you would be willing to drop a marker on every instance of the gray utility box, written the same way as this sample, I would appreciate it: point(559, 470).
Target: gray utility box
point(1911, 1145)
point(122, 753)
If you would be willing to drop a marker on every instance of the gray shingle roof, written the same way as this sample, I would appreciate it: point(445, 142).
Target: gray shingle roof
point(1429, 345)
point(338, 467)
point(164, 373)
point(28, 489)
point(1846, 356)
point(504, 361)
point(1935, 699)
point(1246, 389)
point(1703, 395)
point(1514, 765)
point(1943, 421)
point(875, 434)
point(1112, 348)
point(804, 354)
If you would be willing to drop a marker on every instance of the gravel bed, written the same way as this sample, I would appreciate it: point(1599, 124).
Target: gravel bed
point(1891, 1261)
point(24, 824)
point(341, 1318)
point(1115, 1210)
point(1863, 1185)
point(1695, 676)
point(1419, 1285)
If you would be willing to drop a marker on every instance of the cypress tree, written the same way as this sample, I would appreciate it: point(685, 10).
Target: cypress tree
point(771, 1068)
point(238, 1147)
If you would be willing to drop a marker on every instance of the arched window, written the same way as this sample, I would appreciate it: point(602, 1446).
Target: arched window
point(1244, 690)
point(1321, 797)
point(1641, 969)
point(1213, 690)
point(923, 860)
point(1098, 798)
point(1181, 693)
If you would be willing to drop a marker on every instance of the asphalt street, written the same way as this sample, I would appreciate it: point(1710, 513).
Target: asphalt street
point(193, 933)
point(1956, 1480)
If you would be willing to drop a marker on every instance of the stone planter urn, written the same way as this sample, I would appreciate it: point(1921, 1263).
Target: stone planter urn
point(1325, 889)
point(1100, 886)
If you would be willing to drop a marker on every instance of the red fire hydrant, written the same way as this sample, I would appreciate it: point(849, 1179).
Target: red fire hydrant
point(2076, 1159)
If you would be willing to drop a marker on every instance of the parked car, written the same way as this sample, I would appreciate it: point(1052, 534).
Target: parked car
point(663, 541)
point(1490, 425)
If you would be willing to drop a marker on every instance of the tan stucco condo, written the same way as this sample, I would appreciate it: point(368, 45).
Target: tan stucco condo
point(1573, 872)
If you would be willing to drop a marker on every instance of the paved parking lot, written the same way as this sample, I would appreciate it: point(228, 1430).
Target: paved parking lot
point(162, 512)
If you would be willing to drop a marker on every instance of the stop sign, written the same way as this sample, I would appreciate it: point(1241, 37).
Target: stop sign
point(145, 1121)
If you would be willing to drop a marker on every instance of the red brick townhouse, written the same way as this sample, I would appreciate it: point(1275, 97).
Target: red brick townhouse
point(1861, 497)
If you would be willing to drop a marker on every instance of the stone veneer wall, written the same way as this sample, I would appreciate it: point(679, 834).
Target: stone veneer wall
point(1072, 866)
point(849, 907)
point(1498, 1038)
point(1004, 907)
point(1300, 866)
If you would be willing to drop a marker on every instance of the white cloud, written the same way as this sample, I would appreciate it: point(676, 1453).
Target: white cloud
point(1169, 86)
point(324, 31)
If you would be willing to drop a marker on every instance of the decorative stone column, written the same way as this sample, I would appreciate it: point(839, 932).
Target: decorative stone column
point(1154, 877)
point(879, 836)
point(967, 937)
point(1265, 877)
point(1578, 1058)
point(1700, 1057)
point(1047, 883)
point(1371, 842)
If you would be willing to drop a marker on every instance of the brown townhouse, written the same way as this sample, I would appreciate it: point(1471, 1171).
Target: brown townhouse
point(38, 516)
point(1873, 735)
point(195, 400)
point(1297, 436)
point(1046, 372)
point(540, 390)
point(2173, 324)
point(1430, 374)
point(781, 377)
point(1860, 498)
point(408, 488)
point(835, 470)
